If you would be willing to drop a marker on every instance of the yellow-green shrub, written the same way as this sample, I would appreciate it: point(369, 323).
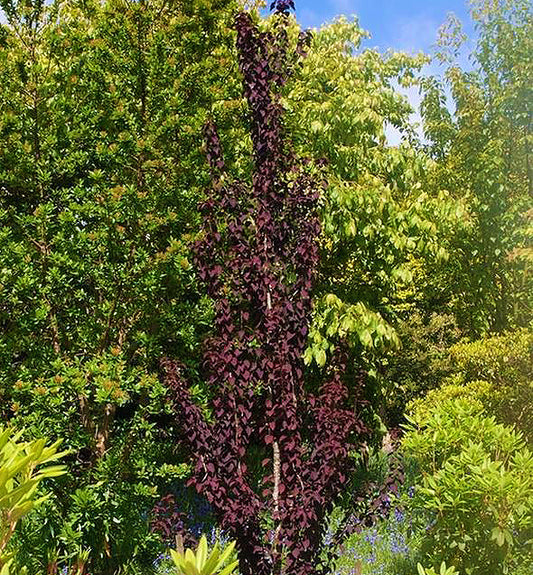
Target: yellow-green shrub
point(477, 393)
point(494, 374)
point(19, 480)
point(504, 359)
point(204, 561)
point(443, 570)
point(475, 486)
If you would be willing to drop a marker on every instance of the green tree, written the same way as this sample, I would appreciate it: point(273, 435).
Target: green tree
point(378, 218)
point(101, 167)
point(483, 155)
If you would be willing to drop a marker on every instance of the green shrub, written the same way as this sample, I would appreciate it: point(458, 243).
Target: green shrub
point(204, 561)
point(493, 373)
point(477, 393)
point(476, 486)
point(443, 570)
point(505, 362)
point(504, 359)
point(121, 462)
point(421, 364)
point(19, 481)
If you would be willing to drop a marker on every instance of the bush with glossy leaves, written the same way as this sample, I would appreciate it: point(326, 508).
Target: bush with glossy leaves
point(475, 485)
point(21, 473)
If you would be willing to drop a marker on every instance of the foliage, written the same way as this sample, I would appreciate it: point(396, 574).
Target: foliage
point(443, 570)
point(94, 255)
point(21, 472)
point(258, 257)
point(204, 561)
point(483, 153)
point(101, 505)
point(378, 219)
point(98, 523)
point(494, 372)
point(476, 486)
point(332, 261)
point(422, 363)
point(100, 169)
point(333, 317)
point(477, 393)
point(504, 360)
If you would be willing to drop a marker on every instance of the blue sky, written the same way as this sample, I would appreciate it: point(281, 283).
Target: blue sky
point(401, 25)
point(409, 25)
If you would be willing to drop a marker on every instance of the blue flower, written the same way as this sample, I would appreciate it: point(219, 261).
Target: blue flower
point(328, 537)
point(371, 537)
point(399, 515)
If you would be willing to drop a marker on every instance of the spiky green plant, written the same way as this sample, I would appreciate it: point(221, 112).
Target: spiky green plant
point(203, 561)
point(442, 571)
point(19, 480)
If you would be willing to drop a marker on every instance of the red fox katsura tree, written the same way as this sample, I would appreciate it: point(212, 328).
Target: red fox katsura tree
point(258, 259)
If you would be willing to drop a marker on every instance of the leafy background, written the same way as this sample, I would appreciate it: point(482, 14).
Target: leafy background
point(425, 256)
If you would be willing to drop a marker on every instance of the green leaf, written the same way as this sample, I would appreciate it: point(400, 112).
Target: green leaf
point(320, 356)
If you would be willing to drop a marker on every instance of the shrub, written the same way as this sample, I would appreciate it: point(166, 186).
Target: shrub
point(476, 485)
point(494, 373)
point(503, 359)
point(505, 362)
point(422, 362)
point(203, 561)
point(106, 410)
point(477, 393)
point(443, 570)
point(19, 481)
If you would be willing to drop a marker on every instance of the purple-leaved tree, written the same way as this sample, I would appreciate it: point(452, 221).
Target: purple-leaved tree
point(258, 258)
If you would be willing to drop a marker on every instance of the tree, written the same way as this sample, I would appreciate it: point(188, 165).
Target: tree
point(483, 156)
point(381, 221)
point(100, 167)
point(258, 258)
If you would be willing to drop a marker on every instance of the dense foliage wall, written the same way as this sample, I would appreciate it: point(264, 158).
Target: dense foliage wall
point(105, 191)
point(101, 165)
point(483, 154)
